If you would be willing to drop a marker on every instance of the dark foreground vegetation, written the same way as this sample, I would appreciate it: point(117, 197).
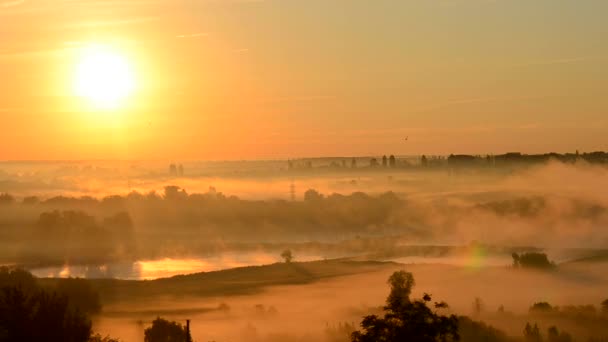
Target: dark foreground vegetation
point(33, 309)
point(31, 312)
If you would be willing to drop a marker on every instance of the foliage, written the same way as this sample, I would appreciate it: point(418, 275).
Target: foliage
point(16, 277)
point(470, 330)
point(407, 320)
point(532, 260)
point(554, 335)
point(287, 255)
point(40, 316)
point(532, 333)
point(165, 331)
point(99, 338)
point(542, 307)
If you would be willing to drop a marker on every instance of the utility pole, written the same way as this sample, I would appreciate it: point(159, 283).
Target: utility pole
point(188, 336)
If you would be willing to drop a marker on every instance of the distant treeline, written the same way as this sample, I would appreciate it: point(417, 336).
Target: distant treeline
point(83, 230)
point(451, 161)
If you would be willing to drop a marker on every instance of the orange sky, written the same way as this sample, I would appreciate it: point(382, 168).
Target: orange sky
point(251, 79)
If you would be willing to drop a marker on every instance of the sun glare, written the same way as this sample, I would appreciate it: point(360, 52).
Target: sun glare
point(104, 78)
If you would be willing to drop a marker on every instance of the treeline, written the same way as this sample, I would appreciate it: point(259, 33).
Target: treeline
point(451, 161)
point(58, 313)
point(121, 226)
point(516, 158)
point(87, 230)
point(75, 237)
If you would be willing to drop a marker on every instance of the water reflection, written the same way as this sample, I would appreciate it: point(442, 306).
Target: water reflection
point(161, 268)
point(168, 267)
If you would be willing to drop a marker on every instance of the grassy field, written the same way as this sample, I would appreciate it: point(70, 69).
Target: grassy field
point(236, 281)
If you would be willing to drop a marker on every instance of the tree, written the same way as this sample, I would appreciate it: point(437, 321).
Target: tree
point(423, 161)
point(40, 316)
point(541, 307)
point(392, 162)
point(554, 335)
point(532, 334)
point(470, 330)
point(163, 330)
point(16, 277)
point(287, 256)
point(6, 199)
point(532, 260)
point(384, 161)
point(312, 195)
point(173, 170)
point(477, 306)
point(99, 338)
point(605, 307)
point(407, 320)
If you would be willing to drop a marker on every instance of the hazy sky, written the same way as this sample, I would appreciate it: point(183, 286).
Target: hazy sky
point(230, 79)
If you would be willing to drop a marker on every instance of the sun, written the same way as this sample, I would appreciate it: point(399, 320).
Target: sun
point(104, 77)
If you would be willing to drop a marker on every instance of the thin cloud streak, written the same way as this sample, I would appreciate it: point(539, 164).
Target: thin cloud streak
point(555, 61)
point(11, 3)
point(109, 23)
point(193, 35)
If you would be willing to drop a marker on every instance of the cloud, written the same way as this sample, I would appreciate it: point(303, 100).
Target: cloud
point(107, 23)
point(464, 102)
point(10, 109)
point(11, 3)
point(193, 35)
point(554, 61)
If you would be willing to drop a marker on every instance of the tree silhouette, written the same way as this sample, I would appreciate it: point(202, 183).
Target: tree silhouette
point(532, 334)
point(532, 260)
point(6, 199)
point(407, 320)
point(605, 307)
point(40, 316)
point(423, 160)
point(554, 335)
point(312, 195)
point(470, 330)
point(163, 330)
point(287, 255)
point(477, 306)
point(99, 338)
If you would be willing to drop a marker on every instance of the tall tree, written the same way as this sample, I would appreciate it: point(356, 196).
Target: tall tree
point(407, 320)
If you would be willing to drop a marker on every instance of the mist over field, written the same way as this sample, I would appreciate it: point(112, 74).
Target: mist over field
point(455, 230)
point(303, 171)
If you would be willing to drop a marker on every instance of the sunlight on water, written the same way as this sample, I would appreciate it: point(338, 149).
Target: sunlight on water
point(162, 268)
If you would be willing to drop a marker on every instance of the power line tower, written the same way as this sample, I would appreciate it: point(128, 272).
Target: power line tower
point(292, 190)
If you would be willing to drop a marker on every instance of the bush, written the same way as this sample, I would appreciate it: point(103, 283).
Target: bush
point(532, 260)
point(165, 331)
